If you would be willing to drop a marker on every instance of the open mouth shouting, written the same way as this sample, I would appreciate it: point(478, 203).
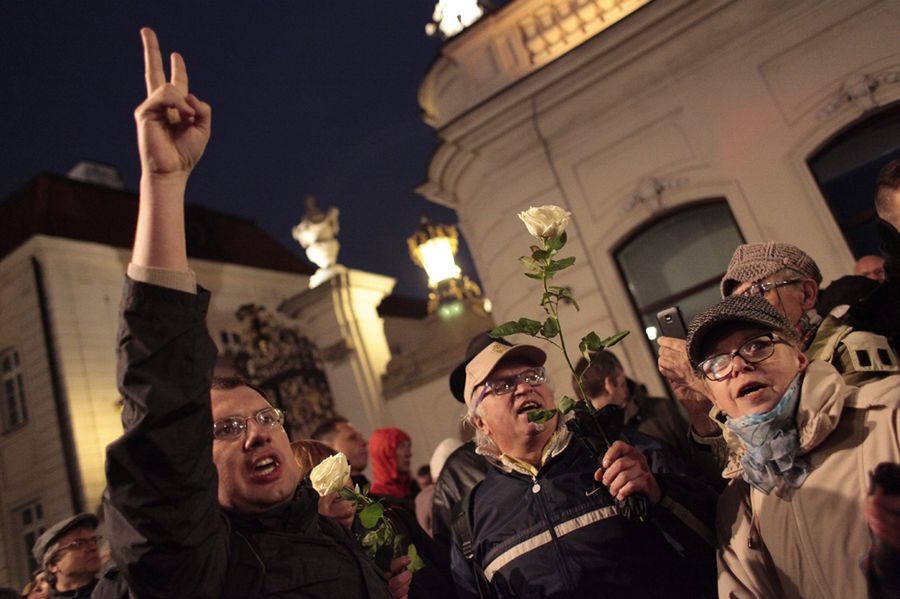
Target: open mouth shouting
point(265, 468)
point(751, 391)
point(527, 406)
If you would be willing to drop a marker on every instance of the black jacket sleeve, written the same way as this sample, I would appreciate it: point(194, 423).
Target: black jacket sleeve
point(167, 533)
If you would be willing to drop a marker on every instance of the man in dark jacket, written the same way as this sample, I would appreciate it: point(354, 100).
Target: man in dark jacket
point(545, 522)
point(204, 496)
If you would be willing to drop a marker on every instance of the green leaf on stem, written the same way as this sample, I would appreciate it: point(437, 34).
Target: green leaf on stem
point(507, 328)
point(539, 277)
point(370, 515)
point(565, 404)
point(558, 265)
point(347, 494)
point(531, 264)
point(415, 562)
point(541, 416)
point(613, 339)
point(556, 243)
point(550, 328)
point(529, 326)
point(541, 255)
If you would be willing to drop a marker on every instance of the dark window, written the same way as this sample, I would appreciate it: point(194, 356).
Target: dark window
point(846, 169)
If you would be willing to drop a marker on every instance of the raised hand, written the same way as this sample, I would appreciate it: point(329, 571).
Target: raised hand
point(688, 387)
point(173, 126)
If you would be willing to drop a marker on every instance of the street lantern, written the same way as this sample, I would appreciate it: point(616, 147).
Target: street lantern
point(433, 247)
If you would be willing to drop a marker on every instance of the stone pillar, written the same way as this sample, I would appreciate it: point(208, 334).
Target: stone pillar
point(340, 316)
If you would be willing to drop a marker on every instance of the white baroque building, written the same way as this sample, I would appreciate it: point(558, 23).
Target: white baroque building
point(673, 130)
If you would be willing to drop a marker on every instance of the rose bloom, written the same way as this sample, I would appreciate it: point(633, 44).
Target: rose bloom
point(545, 221)
point(331, 474)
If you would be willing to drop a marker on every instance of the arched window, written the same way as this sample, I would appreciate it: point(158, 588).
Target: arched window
point(846, 168)
point(678, 260)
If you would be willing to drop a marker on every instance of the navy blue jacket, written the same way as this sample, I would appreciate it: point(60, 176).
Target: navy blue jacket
point(559, 534)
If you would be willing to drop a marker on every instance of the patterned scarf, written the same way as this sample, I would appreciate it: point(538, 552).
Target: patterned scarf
point(771, 444)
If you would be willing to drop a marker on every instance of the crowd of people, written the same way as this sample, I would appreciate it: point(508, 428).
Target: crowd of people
point(774, 475)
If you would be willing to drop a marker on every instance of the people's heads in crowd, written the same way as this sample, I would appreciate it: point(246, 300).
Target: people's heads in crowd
point(337, 432)
point(308, 453)
point(423, 476)
point(391, 453)
point(603, 380)
point(747, 352)
point(251, 449)
point(504, 383)
point(871, 267)
point(440, 454)
point(69, 552)
point(37, 587)
point(781, 273)
point(887, 193)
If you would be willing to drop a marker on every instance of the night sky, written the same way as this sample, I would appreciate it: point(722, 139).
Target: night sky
point(308, 97)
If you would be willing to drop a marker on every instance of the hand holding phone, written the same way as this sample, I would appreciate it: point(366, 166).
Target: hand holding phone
point(671, 323)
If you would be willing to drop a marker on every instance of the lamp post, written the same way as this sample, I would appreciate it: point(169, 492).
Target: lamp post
point(433, 248)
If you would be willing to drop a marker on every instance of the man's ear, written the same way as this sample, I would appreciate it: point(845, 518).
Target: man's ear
point(609, 385)
point(802, 361)
point(810, 293)
point(478, 423)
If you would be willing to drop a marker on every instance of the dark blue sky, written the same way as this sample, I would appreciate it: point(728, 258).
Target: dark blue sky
point(308, 97)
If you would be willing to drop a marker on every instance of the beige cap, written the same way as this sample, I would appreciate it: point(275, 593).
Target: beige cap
point(481, 366)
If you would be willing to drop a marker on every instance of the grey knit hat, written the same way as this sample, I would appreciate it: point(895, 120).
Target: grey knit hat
point(754, 311)
point(754, 262)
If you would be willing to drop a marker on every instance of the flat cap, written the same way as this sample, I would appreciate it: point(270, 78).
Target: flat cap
point(753, 262)
point(754, 311)
point(52, 534)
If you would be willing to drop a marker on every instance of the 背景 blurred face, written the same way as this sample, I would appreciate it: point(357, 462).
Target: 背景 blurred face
point(504, 418)
point(257, 469)
point(76, 563)
point(404, 456)
point(751, 388)
point(349, 441)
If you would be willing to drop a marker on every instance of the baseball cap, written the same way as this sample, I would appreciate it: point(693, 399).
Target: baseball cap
point(458, 376)
point(481, 366)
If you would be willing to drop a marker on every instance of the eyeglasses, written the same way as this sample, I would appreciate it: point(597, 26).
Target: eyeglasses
point(233, 427)
point(532, 376)
point(719, 366)
point(760, 289)
point(76, 544)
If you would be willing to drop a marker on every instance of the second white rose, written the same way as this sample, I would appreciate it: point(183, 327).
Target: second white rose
point(545, 221)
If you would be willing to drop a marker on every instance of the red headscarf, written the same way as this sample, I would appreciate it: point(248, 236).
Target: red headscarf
point(383, 454)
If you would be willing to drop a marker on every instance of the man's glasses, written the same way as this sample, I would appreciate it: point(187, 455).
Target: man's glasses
point(719, 366)
point(533, 376)
point(76, 545)
point(232, 427)
point(760, 289)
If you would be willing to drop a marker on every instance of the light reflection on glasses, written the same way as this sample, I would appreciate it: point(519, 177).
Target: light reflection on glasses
point(232, 427)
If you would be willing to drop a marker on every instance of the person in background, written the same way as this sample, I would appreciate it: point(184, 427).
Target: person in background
point(792, 522)
point(390, 451)
point(308, 453)
point(69, 553)
point(37, 588)
point(871, 267)
point(423, 476)
point(425, 498)
point(337, 432)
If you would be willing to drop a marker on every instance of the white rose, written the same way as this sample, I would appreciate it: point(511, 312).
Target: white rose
point(331, 474)
point(545, 221)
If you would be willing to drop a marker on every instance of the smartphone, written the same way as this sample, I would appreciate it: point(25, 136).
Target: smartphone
point(671, 324)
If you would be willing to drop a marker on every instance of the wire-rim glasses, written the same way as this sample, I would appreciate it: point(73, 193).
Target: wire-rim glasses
point(232, 427)
point(760, 289)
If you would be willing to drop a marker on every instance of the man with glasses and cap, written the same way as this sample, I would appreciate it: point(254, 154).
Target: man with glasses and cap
point(69, 554)
point(544, 522)
point(793, 520)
